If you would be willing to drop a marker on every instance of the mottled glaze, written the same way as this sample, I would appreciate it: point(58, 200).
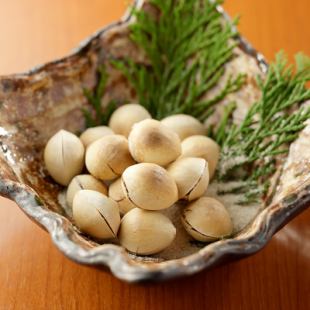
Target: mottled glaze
point(35, 105)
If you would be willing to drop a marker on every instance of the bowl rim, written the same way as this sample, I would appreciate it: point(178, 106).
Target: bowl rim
point(264, 226)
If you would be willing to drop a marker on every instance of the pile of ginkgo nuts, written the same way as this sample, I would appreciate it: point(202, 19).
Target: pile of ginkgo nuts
point(147, 166)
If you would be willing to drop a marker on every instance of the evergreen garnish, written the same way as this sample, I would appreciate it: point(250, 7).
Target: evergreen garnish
point(98, 116)
point(188, 44)
point(268, 128)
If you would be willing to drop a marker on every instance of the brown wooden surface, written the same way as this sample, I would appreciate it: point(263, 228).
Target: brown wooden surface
point(35, 275)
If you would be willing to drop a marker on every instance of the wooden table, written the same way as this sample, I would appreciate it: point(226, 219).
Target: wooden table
point(35, 275)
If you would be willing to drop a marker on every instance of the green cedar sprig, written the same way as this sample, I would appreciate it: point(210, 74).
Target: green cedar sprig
point(271, 124)
point(99, 115)
point(187, 46)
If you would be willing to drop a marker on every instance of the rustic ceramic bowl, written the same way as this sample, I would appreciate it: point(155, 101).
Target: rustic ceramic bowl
point(36, 104)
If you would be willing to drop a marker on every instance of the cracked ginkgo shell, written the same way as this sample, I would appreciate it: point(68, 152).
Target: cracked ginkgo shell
point(191, 176)
point(108, 157)
point(117, 193)
point(152, 142)
point(64, 156)
point(84, 181)
point(126, 116)
point(204, 147)
point(207, 220)
point(146, 232)
point(184, 125)
point(96, 214)
point(149, 186)
point(92, 134)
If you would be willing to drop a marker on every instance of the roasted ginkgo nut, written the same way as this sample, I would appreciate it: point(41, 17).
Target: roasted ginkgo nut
point(207, 220)
point(92, 134)
point(152, 142)
point(96, 214)
point(204, 147)
point(146, 232)
point(81, 182)
point(184, 125)
point(149, 186)
point(117, 193)
point(108, 157)
point(191, 175)
point(126, 116)
point(64, 156)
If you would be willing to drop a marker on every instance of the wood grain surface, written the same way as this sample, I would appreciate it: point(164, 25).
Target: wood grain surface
point(35, 275)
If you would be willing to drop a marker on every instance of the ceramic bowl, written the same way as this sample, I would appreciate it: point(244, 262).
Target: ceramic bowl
point(36, 104)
